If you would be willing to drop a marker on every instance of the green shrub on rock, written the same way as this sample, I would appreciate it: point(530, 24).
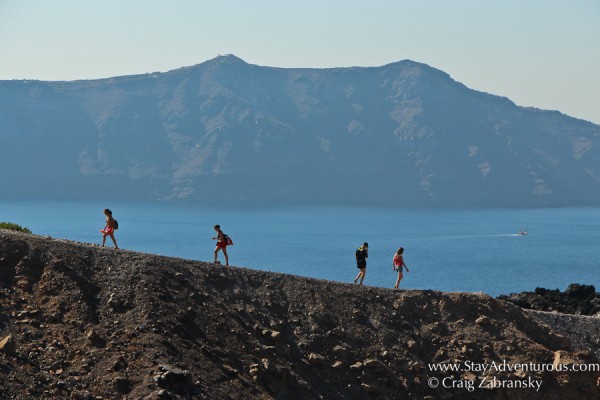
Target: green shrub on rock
point(13, 227)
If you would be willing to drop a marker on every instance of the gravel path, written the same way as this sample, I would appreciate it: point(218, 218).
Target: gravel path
point(582, 330)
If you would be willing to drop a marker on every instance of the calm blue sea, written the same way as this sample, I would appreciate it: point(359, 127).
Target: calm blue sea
point(449, 250)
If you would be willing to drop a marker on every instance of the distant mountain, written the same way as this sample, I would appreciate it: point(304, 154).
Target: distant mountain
point(225, 130)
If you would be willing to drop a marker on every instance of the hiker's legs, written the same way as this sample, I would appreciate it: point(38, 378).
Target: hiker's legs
point(398, 280)
point(112, 236)
point(361, 275)
point(226, 256)
point(103, 239)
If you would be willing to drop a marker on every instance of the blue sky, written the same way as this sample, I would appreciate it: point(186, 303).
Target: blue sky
point(540, 53)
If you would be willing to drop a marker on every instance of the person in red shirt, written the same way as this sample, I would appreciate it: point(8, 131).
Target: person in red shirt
point(398, 265)
point(109, 229)
point(221, 245)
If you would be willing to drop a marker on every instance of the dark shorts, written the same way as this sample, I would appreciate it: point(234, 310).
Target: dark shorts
point(221, 245)
point(361, 266)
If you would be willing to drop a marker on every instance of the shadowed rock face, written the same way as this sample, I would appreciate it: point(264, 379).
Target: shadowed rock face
point(576, 299)
point(403, 133)
point(85, 322)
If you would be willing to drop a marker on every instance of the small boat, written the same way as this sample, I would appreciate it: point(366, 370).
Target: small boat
point(523, 232)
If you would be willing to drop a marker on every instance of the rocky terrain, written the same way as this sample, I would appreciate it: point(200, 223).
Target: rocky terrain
point(82, 322)
point(576, 299)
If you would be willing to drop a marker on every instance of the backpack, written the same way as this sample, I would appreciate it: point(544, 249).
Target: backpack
point(360, 257)
point(228, 240)
point(116, 224)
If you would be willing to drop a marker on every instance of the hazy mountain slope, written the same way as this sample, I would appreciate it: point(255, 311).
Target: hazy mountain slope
point(402, 133)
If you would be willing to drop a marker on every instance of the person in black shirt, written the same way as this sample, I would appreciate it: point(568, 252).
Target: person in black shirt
point(362, 253)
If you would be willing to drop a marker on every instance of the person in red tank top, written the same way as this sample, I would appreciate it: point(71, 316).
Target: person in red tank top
point(398, 265)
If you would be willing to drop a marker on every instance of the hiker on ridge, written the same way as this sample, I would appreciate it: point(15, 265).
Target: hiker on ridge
point(398, 265)
point(109, 229)
point(362, 253)
point(221, 239)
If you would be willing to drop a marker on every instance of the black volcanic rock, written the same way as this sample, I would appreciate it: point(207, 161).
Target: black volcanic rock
point(402, 133)
point(576, 299)
point(581, 292)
